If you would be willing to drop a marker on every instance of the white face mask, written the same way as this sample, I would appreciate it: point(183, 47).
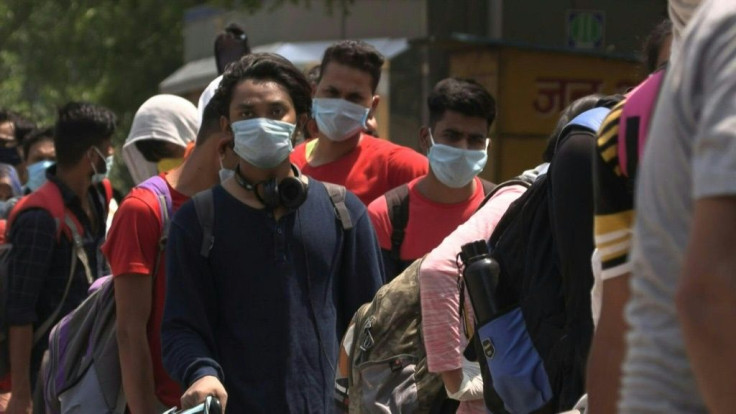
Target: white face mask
point(339, 119)
point(455, 167)
point(263, 142)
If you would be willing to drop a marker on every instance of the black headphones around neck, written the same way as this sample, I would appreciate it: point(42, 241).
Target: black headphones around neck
point(290, 192)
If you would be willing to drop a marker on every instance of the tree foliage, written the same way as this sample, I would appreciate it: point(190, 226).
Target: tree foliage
point(111, 52)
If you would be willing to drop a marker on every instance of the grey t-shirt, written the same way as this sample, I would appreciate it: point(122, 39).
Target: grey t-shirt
point(690, 155)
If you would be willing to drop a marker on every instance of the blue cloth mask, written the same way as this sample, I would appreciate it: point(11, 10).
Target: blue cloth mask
point(339, 119)
point(37, 174)
point(263, 142)
point(455, 167)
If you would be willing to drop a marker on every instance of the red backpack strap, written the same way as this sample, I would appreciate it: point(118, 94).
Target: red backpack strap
point(3, 238)
point(49, 198)
point(107, 186)
point(634, 123)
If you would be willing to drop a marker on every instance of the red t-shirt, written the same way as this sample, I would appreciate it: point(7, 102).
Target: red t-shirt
point(429, 222)
point(370, 170)
point(132, 247)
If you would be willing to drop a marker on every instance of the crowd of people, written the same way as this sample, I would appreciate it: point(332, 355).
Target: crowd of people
point(263, 219)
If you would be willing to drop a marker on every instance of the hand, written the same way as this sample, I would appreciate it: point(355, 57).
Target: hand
point(19, 405)
point(200, 389)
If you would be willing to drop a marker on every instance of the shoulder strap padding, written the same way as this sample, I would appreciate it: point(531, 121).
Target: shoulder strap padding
point(47, 197)
point(107, 186)
point(591, 119)
point(488, 186)
point(204, 204)
point(397, 202)
point(337, 196)
point(160, 188)
point(634, 122)
point(523, 180)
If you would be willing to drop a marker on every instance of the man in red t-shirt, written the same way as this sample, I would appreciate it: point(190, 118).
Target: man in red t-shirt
point(132, 249)
point(460, 114)
point(344, 99)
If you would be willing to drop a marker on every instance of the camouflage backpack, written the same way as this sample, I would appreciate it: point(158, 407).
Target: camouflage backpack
point(387, 362)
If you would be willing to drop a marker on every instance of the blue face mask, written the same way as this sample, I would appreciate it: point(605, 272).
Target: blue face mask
point(263, 142)
point(98, 176)
point(455, 167)
point(339, 119)
point(37, 174)
point(225, 173)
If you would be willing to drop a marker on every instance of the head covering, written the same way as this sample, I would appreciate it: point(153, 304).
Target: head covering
point(167, 118)
point(680, 12)
point(7, 170)
point(207, 95)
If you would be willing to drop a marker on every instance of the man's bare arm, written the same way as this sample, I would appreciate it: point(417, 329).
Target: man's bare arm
point(706, 301)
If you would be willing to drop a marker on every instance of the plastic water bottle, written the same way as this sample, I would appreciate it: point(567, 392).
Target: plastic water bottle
point(481, 278)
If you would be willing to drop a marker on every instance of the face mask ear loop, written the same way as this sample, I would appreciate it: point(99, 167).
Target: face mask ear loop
point(92, 163)
point(365, 119)
point(431, 138)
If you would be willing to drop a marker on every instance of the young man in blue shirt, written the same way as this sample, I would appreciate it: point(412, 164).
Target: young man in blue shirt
point(253, 315)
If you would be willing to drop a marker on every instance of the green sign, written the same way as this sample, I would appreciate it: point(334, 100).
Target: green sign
point(585, 29)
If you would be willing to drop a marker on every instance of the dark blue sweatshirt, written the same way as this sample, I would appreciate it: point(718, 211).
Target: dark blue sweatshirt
point(266, 310)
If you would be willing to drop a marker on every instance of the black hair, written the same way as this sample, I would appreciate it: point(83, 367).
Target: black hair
point(79, 126)
point(23, 126)
point(356, 54)
point(576, 108)
point(465, 96)
point(230, 45)
point(210, 122)
point(265, 66)
point(313, 75)
point(36, 136)
point(5, 116)
point(654, 42)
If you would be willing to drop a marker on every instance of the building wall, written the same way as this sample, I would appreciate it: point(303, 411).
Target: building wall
point(532, 87)
point(543, 22)
point(293, 23)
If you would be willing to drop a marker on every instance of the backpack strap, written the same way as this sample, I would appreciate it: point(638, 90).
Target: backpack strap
point(204, 205)
point(78, 254)
point(590, 119)
point(160, 188)
point(48, 197)
point(337, 196)
point(107, 186)
point(634, 122)
point(397, 201)
point(488, 186)
point(523, 180)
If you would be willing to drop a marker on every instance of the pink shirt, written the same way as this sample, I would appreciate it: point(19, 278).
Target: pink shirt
point(444, 336)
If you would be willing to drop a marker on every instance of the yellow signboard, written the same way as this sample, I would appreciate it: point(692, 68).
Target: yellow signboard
point(534, 87)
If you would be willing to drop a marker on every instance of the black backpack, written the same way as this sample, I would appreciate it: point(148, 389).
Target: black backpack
point(204, 205)
point(532, 356)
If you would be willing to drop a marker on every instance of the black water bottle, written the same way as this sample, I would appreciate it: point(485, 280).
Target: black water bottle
point(481, 278)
